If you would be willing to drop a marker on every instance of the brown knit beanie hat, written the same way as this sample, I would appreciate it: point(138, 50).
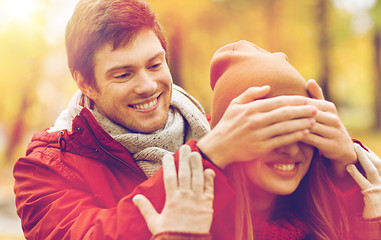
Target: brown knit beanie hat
point(238, 66)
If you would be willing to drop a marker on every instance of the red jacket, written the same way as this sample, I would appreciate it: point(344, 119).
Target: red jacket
point(79, 185)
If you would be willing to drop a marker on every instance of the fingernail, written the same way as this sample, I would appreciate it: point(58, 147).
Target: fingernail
point(312, 121)
point(350, 167)
point(306, 132)
point(135, 200)
point(211, 172)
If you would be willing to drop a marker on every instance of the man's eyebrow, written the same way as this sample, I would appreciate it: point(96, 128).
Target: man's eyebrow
point(113, 69)
point(159, 54)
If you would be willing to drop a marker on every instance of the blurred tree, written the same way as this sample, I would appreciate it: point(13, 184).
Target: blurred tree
point(324, 44)
point(17, 127)
point(21, 77)
point(175, 53)
point(317, 37)
point(22, 50)
point(377, 63)
point(273, 9)
point(178, 19)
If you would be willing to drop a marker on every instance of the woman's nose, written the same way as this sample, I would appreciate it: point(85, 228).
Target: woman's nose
point(289, 150)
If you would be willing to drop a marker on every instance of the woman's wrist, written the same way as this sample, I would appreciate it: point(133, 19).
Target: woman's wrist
point(369, 229)
point(181, 236)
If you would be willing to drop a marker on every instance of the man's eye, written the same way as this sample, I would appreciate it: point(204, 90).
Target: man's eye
point(124, 75)
point(154, 66)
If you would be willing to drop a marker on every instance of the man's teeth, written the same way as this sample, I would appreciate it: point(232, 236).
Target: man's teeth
point(284, 167)
point(145, 105)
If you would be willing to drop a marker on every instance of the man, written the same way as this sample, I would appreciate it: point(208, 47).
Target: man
point(78, 177)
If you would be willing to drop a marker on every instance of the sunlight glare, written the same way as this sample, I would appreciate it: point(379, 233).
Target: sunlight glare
point(354, 6)
point(20, 11)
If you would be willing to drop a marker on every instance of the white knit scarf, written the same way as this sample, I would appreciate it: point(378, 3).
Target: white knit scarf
point(186, 120)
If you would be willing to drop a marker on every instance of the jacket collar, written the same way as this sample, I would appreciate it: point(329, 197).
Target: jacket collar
point(87, 139)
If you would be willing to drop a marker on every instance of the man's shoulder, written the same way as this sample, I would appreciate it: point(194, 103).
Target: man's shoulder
point(45, 153)
point(42, 140)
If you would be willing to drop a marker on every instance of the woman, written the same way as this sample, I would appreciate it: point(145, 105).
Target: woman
point(292, 191)
point(289, 185)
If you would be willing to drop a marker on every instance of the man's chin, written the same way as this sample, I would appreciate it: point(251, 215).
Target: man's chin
point(148, 128)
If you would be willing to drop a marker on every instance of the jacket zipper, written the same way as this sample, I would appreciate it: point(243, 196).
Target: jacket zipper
point(107, 152)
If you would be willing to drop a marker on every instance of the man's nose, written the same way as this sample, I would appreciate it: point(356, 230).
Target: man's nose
point(290, 150)
point(145, 83)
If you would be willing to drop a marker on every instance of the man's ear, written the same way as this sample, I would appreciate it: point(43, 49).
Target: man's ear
point(84, 86)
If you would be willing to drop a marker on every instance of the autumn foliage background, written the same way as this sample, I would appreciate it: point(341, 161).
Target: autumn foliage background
point(330, 41)
point(336, 42)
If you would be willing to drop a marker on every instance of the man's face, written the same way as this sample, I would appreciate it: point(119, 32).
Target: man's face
point(134, 84)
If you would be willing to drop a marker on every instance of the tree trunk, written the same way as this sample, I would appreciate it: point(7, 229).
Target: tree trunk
point(17, 129)
point(175, 53)
point(324, 44)
point(273, 10)
point(377, 82)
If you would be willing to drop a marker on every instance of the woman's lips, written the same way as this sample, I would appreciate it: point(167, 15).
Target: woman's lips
point(288, 169)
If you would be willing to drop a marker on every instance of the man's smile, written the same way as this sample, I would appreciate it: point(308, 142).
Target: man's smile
point(145, 106)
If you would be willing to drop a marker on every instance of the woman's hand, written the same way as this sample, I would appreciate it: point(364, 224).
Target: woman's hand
point(371, 184)
point(189, 196)
point(329, 134)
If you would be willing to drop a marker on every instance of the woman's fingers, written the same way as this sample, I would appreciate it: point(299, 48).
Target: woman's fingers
point(191, 173)
point(184, 168)
point(372, 157)
point(209, 175)
point(197, 172)
point(146, 208)
point(369, 184)
point(169, 174)
point(358, 177)
point(370, 169)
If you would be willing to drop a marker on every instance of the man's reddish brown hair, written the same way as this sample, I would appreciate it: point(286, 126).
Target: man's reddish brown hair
point(97, 22)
